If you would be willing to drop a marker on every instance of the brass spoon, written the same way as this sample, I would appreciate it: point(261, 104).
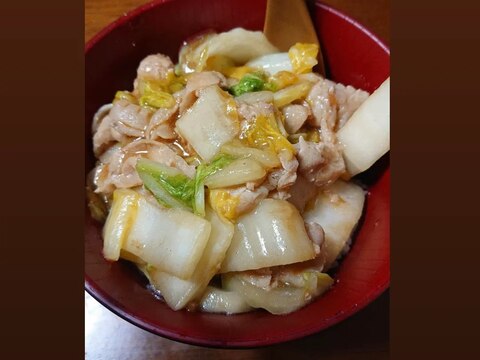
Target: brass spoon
point(288, 22)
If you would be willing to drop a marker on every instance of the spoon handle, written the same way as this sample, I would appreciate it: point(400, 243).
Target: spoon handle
point(288, 22)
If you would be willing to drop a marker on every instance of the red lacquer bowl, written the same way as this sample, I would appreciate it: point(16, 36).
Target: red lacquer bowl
point(352, 56)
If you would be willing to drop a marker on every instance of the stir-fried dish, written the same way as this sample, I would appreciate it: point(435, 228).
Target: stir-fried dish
point(226, 177)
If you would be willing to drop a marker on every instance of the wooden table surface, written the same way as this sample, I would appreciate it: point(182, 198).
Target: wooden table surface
point(363, 336)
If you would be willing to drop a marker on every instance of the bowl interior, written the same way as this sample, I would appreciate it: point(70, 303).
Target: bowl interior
point(352, 56)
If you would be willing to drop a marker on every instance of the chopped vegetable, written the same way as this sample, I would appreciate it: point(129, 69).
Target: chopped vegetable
point(238, 72)
point(203, 171)
point(238, 172)
point(170, 240)
point(177, 84)
point(125, 95)
point(272, 234)
point(272, 63)
point(255, 97)
point(122, 215)
point(219, 122)
point(154, 96)
point(267, 158)
point(338, 209)
point(264, 134)
point(220, 63)
point(282, 299)
point(283, 79)
point(303, 57)
point(249, 83)
point(366, 135)
point(174, 189)
point(216, 300)
point(170, 186)
point(291, 93)
point(238, 44)
point(224, 203)
point(178, 292)
point(225, 65)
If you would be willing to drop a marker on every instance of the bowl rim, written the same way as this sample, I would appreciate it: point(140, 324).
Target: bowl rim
point(111, 304)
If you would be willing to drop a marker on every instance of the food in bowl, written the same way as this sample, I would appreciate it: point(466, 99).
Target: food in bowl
point(226, 177)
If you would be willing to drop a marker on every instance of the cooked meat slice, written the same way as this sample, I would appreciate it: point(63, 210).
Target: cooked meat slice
point(101, 180)
point(302, 191)
point(119, 168)
point(100, 115)
point(316, 234)
point(248, 112)
point(201, 80)
point(295, 116)
point(154, 67)
point(349, 100)
point(248, 198)
point(162, 124)
point(124, 121)
point(130, 117)
point(321, 163)
point(282, 179)
point(103, 137)
point(323, 104)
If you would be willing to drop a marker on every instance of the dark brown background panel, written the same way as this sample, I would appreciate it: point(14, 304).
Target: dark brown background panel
point(41, 245)
point(435, 242)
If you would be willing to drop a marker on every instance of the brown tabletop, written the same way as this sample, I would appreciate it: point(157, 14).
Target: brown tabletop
point(363, 336)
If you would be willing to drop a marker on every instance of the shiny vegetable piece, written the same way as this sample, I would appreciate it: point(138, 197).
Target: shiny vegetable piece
point(204, 170)
point(255, 97)
point(272, 63)
point(226, 66)
point(193, 55)
point(210, 122)
point(224, 203)
point(238, 44)
point(283, 299)
point(283, 79)
point(238, 72)
point(238, 172)
point(303, 57)
point(154, 96)
point(267, 158)
point(219, 63)
point(291, 93)
point(264, 134)
point(125, 95)
point(171, 240)
point(366, 135)
point(179, 292)
point(248, 83)
point(338, 209)
point(216, 300)
point(169, 186)
point(199, 198)
point(174, 83)
point(272, 234)
point(123, 214)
